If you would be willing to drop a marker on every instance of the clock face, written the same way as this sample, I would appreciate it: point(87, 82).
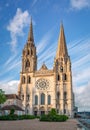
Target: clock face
point(42, 84)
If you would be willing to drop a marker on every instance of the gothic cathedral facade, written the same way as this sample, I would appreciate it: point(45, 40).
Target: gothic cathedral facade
point(44, 89)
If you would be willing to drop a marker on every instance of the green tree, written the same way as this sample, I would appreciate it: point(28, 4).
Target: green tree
point(2, 96)
point(12, 111)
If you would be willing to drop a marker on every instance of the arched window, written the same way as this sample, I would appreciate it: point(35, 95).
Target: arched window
point(29, 79)
point(27, 63)
point(28, 52)
point(49, 99)
point(65, 95)
point(64, 77)
point(23, 79)
point(61, 69)
point(36, 100)
point(58, 78)
point(42, 99)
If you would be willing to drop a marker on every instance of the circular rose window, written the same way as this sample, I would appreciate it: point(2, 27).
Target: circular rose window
point(42, 84)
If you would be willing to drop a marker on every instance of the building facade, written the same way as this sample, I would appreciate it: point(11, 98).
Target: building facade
point(13, 101)
point(43, 89)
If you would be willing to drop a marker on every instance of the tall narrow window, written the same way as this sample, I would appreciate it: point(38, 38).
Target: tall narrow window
point(23, 79)
point(36, 100)
point(28, 52)
point(58, 77)
point(29, 79)
point(65, 95)
point(42, 99)
point(49, 99)
point(64, 77)
point(27, 63)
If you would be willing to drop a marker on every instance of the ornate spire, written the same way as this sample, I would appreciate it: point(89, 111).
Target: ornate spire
point(62, 48)
point(30, 35)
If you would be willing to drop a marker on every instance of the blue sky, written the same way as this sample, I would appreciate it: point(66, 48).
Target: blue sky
point(46, 15)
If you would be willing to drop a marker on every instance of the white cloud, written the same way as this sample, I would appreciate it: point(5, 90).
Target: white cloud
point(16, 26)
point(79, 4)
point(82, 95)
point(10, 87)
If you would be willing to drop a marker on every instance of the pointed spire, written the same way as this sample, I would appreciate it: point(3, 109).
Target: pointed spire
point(30, 35)
point(62, 48)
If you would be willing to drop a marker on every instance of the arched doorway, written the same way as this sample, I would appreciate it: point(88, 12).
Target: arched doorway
point(42, 110)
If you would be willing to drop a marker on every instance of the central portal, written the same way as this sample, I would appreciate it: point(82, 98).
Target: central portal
point(42, 112)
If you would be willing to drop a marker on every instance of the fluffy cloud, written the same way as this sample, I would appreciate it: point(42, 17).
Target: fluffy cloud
point(16, 26)
point(79, 4)
point(10, 87)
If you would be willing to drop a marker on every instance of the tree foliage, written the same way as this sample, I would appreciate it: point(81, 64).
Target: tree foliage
point(2, 96)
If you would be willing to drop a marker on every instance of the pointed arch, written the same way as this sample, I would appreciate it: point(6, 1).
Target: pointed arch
point(42, 99)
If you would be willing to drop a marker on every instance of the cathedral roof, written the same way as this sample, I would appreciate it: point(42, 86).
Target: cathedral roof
point(62, 48)
point(43, 67)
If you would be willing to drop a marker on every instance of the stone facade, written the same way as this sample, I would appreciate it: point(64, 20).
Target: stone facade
point(41, 90)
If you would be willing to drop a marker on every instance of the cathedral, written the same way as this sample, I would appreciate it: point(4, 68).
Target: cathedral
point(44, 89)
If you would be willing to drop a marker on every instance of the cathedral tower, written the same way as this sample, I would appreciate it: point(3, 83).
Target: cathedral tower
point(63, 77)
point(29, 66)
point(29, 58)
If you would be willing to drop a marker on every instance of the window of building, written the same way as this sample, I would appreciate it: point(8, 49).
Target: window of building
point(65, 95)
point(61, 69)
point(28, 52)
point(64, 77)
point(23, 79)
point(42, 99)
point(58, 77)
point(27, 63)
point(29, 79)
point(36, 100)
point(49, 99)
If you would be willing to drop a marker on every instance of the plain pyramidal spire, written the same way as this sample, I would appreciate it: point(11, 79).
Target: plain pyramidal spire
point(30, 35)
point(62, 48)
